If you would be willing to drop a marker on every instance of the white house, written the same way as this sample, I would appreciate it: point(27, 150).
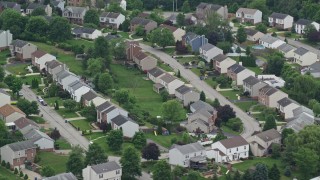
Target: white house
point(187, 95)
point(39, 59)
point(186, 155)
point(42, 140)
point(286, 106)
point(177, 32)
point(109, 170)
point(5, 39)
point(270, 42)
point(64, 78)
point(128, 126)
point(77, 89)
point(209, 51)
point(280, 21)
point(302, 23)
point(302, 117)
point(252, 16)
point(221, 63)
point(112, 19)
point(155, 74)
point(238, 73)
point(86, 33)
point(171, 83)
point(5, 98)
point(10, 113)
point(106, 112)
point(227, 150)
point(287, 50)
point(304, 57)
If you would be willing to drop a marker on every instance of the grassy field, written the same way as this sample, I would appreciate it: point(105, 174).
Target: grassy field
point(232, 95)
point(63, 144)
point(17, 69)
point(83, 124)
point(133, 81)
point(3, 57)
point(245, 106)
point(229, 130)
point(257, 70)
point(67, 114)
point(51, 100)
point(163, 140)
point(85, 43)
point(65, 57)
point(7, 174)
point(57, 162)
point(28, 79)
point(169, 51)
point(37, 119)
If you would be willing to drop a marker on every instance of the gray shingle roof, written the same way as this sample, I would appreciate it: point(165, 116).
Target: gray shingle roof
point(234, 142)
point(251, 80)
point(268, 39)
point(80, 30)
point(62, 176)
point(104, 106)
point(285, 102)
point(285, 48)
point(269, 90)
point(183, 89)
point(189, 148)
point(156, 72)
point(89, 95)
point(315, 67)
point(236, 68)
point(32, 134)
point(247, 11)
point(269, 135)
point(75, 10)
point(251, 32)
point(53, 64)
point(77, 84)
point(301, 51)
point(190, 35)
point(278, 15)
point(207, 47)
point(4, 92)
point(13, 5)
point(24, 122)
point(120, 119)
point(168, 78)
point(303, 22)
point(220, 57)
point(109, 14)
point(302, 117)
point(110, 109)
point(140, 21)
point(35, 6)
point(201, 105)
point(22, 145)
point(105, 167)
point(63, 74)
point(19, 43)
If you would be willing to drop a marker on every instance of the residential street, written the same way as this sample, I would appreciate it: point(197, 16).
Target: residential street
point(250, 125)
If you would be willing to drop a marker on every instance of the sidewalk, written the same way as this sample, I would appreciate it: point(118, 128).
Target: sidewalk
point(31, 174)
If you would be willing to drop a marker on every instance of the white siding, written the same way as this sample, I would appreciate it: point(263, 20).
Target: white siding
point(44, 143)
point(5, 99)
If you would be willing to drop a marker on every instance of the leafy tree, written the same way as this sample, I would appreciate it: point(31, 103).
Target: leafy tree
point(28, 107)
point(95, 66)
point(102, 49)
point(14, 83)
point(307, 161)
point(285, 133)
point(162, 37)
point(270, 123)
point(89, 112)
point(90, 25)
point(193, 175)
point(161, 171)
point(115, 7)
point(287, 171)
point(261, 27)
point(139, 140)
point(186, 7)
point(125, 25)
point(274, 173)
point(2, 74)
point(75, 163)
point(25, 177)
point(119, 50)
point(309, 30)
point(222, 81)
point(34, 84)
point(241, 35)
point(59, 29)
point(95, 155)
point(56, 105)
point(70, 104)
point(274, 34)
point(157, 15)
point(181, 19)
point(92, 16)
point(246, 176)
point(261, 172)
point(13, 20)
point(47, 171)
point(115, 140)
point(151, 151)
point(139, 31)
point(16, 171)
point(178, 172)
point(276, 151)
point(21, 174)
point(105, 82)
point(275, 64)
point(225, 46)
point(131, 163)
point(122, 96)
point(235, 124)
point(248, 50)
point(37, 25)
point(135, 5)
point(220, 136)
point(202, 96)
point(8, 165)
point(100, 4)
point(3, 163)
point(38, 12)
point(316, 108)
point(55, 134)
point(172, 111)
point(237, 176)
point(164, 95)
point(225, 113)
point(215, 103)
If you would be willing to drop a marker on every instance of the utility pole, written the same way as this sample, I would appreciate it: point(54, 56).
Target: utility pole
point(176, 5)
point(172, 5)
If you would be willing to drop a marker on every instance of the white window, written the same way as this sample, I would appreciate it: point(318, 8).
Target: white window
point(237, 149)
point(229, 150)
point(117, 171)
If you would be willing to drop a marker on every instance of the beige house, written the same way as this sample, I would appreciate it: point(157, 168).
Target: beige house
point(109, 170)
point(221, 63)
point(177, 32)
point(238, 73)
point(201, 121)
point(22, 50)
point(155, 74)
point(32, 6)
point(286, 106)
point(144, 61)
point(187, 95)
point(253, 35)
point(261, 143)
point(203, 10)
point(10, 113)
point(287, 51)
point(171, 83)
point(147, 24)
point(304, 57)
point(246, 15)
point(5, 98)
point(252, 85)
point(281, 21)
point(75, 14)
point(269, 96)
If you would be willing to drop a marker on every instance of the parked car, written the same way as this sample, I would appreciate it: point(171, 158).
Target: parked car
point(43, 103)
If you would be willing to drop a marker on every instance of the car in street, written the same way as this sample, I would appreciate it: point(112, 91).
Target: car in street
point(43, 103)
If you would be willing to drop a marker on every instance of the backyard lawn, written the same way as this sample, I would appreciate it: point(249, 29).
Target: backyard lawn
point(86, 43)
point(257, 70)
point(67, 114)
point(7, 174)
point(57, 162)
point(3, 57)
point(165, 141)
point(51, 100)
point(37, 119)
point(124, 35)
point(17, 69)
point(28, 79)
point(232, 95)
point(83, 124)
point(229, 130)
point(169, 51)
point(135, 82)
point(245, 106)
point(63, 144)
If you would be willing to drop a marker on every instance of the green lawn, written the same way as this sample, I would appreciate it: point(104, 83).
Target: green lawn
point(257, 70)
point(28, 79)
point(124, 35)
point(63, 56)
point(7, 174)
point(37, 119)
point(63, 144)
point(17, 69)
point(83, 124)
point(51, 100)
point(94, 135)
point(230, 94)
point(134, 81)
point(169, 51)
point(211, 83)
point(3, 57)
point(57, 162)
point(258, 107)
point(165, 141)
point(165, 67)
point(67, 114)
point(86, 43)
point(183, 60)
point(229, 130)
point(245, 106)
point(196, 71)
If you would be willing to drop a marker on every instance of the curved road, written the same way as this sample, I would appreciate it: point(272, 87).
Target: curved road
point(250, 125)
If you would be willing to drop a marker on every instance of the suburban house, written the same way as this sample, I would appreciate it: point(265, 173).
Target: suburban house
point(58, 4)
point(271, 42)
point(32, 6)
point(111, 19)
point(191, 19)
point(5, 39)
point(86, 33)
point(106, 111)
point(252, 85)
point(122, 3)
point(272, 80)
point(261, 143)
point(221, 63)
point(9, 5)
point(22, 50)
point(155, 74)
point(40, 58)
point(10, 113)
point(54, 67)
point(126, 124)
point(170, 82)
point(313, 69)
point(253, 35)
point(62, 176)
point(5, 98)
point(209, 51)
point(227, 150)
point(40, 139)
point(76, 3)
point(190, 155)
point(287, 51)
point(132, 48)
point(302, 23)
point(269, 96)
point(202, 121)
point(286, 106)
point(252, 16)
point(144, 61)
point(18, 153)
point(281, 21)
point(24, 125)
point(238, 73)
point(304, 57)
point(302, 116)
point(77, 89)
point(194, 41)
point(92, 97)
point(201, 105)
point(172, 18)
point(203, 10)
point(75, 14)
point(64, 78)
point(178, 33)
point(109, 170)
point(187, 95)
point(147, 24)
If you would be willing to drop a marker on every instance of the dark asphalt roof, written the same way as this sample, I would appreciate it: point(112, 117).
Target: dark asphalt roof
point(19, 43)
point(183, 89)
point(104, 106)
point(251, 32)
point(22, 145)
point(251, 80)
point(285, 47)
point(278, 15)
point(303, 22)
point(301, 51)
point(285, 102)
point(202, 105)
point(140, 21)
point(234, 142)
point(156, 72)
point(220, 57)
point(53, 64)
point(89, 95)
point(4, 92)
point(168, 78)
point(110, 14)
point(207, 47)
point(35, 6)
point(268, 90)
point(120, 119)
point(236, 68)
point(105, 167)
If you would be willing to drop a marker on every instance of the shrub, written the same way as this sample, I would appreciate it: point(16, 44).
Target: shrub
point(8, 165)
point(21, 174)
point(3, 163)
